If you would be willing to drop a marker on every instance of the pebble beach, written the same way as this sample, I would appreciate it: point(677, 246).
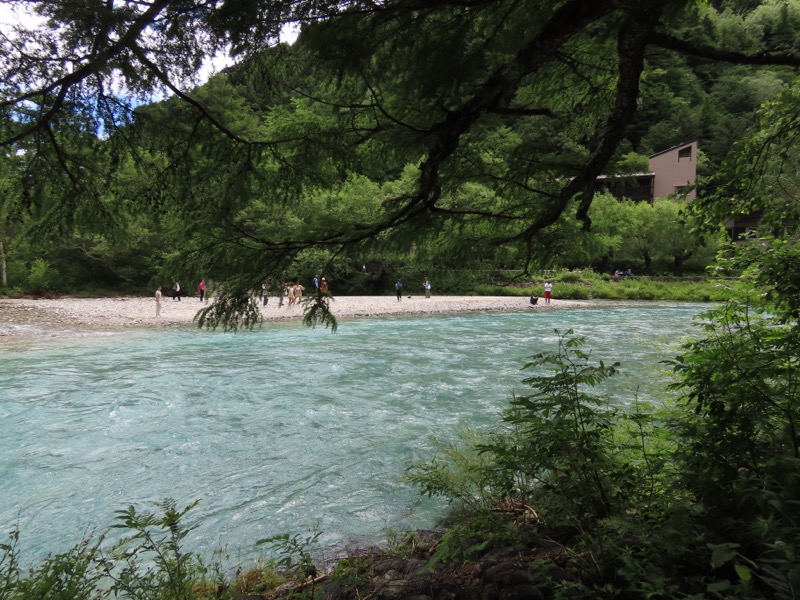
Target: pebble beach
point(57, 317)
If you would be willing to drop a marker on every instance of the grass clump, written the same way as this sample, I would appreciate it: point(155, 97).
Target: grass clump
point(588, 285)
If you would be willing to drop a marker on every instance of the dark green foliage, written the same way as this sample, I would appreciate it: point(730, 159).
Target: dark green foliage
point(295, 552)
point(561, 445)
point(739, 444)
point(73, 575)
point(459, 138)
point(231, 311)
point(450, 137)
point(150, 561)
point(352, 573)
point(317, 311)
point(741, 382)
point(707, 506)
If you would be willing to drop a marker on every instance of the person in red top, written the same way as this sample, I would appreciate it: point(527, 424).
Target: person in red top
point(323, 286)
point(202, 289)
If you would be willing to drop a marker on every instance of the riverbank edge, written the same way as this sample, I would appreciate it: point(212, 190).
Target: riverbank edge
point(22, 319)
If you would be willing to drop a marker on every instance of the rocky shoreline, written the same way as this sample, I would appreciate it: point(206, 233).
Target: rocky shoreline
point(58, 317)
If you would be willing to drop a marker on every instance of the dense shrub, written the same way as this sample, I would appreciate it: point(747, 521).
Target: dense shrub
point(41, 277)
point(570, 291)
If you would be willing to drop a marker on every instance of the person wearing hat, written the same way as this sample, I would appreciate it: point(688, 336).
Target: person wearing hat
point(323, 286)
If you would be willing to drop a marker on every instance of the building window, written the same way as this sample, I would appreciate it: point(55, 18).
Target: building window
point(685, 153)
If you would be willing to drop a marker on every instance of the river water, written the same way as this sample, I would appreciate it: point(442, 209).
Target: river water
point(280, 430)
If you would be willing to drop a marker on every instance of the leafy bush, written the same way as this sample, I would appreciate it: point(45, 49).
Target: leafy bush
point(72, 575)
point(148, 562)
point(594, 286)
point(459, 472)
point(609, 290)
point(570, 291)
point(572, 277)
point(41, 276)
point(500, 290)
point(569, 461)
point(563, 450)
point(741, 449)
point(10, 292)
point(17, 273)
point(560, 454)
point(296, 552)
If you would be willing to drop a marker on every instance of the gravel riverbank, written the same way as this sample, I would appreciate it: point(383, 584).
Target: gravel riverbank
point(56, 317)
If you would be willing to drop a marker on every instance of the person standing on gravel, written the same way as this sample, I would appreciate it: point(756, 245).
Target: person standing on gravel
point(176, 292)
point(202, 289)
point(427, 285)
point(398, 287)
point(158, 301)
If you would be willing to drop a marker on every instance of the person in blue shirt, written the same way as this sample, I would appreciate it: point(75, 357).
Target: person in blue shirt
point(399, 289)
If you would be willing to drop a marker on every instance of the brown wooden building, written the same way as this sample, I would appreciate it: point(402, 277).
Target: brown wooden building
point(672, 172)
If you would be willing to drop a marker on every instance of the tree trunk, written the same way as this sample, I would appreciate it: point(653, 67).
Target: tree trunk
point(678, 260)
point(648, 262)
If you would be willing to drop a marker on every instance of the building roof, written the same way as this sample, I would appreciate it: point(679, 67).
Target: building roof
point(624, 175)
point(674, 148)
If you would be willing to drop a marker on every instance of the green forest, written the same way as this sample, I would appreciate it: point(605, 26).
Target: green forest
point(461, 138)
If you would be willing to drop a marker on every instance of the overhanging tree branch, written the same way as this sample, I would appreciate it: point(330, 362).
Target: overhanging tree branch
point(664, 40)
point(632, 42)
point(95, 65)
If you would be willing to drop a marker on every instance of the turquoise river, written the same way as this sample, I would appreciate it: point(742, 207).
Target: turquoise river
point(280, 430)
